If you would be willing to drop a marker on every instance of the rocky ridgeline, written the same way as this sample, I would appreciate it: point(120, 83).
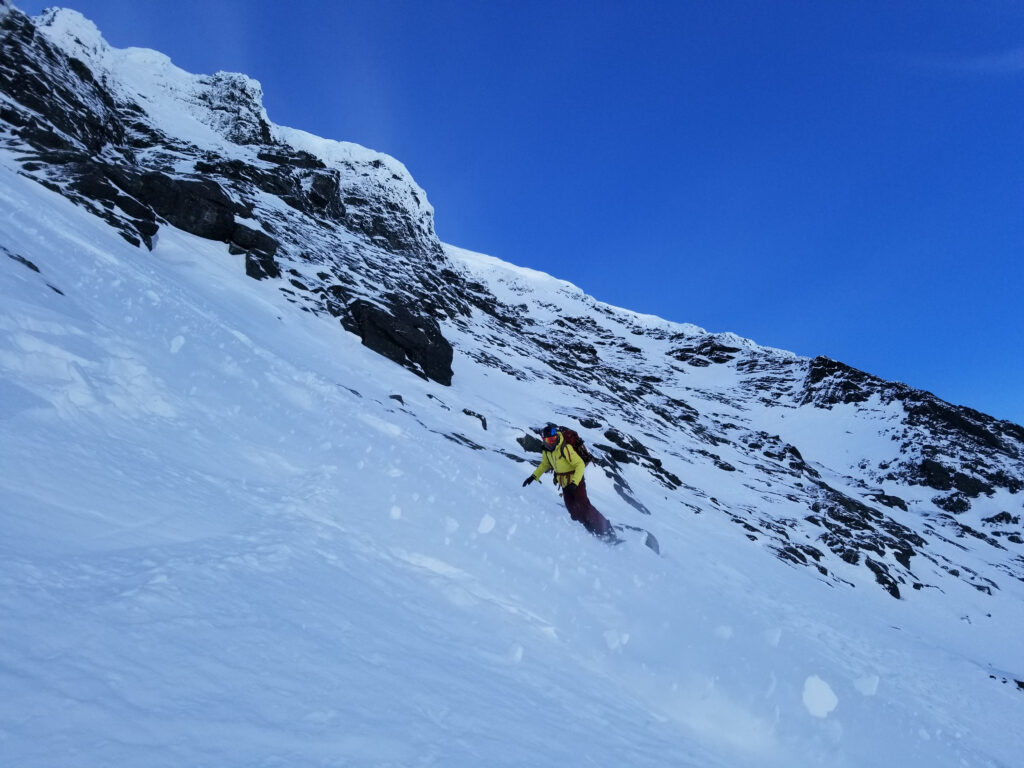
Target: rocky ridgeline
point(78, 132)
point(346, 232)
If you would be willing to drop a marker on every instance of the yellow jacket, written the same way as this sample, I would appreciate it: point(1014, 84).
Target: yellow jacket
point(564, 461)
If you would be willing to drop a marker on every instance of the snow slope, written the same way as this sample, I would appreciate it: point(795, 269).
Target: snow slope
point(226, 541)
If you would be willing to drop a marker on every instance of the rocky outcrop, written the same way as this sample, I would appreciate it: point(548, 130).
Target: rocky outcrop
point(410, 340)
point(197, 206)
point(81, 134)
point(830, 383)
point(236, 102)
point(56, 103)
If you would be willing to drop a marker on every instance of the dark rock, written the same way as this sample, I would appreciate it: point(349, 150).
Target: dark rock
point(531, 444)
point(955, 503)
point(324, 195)
point(883, 577)
point(626, 442)
point(101, 183)
point(399, 335)
point(198, 206)
point(889, 501)
point(629, 450)
point(238, 104)
point(617, 455)
point(79, 113)
point(21, 260)
point(932, 474)
point(474, 414)
point(1003, 518)
point(853, 528)
point(391, 227)
point(708, 351)
point(147, 230)
point(261, 265)
point(250, 239)
point(275, 182)
point(298, 159)
point(463, 440)
point(954, 420)
point(830, 383)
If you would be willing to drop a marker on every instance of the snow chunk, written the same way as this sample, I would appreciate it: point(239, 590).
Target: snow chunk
point(819, 698)
point(615, 640)
point(867, 685)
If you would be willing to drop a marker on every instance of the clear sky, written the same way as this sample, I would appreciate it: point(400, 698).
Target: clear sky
point(828, 177)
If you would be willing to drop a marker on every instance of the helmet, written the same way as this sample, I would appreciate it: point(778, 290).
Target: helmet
point(549, 435)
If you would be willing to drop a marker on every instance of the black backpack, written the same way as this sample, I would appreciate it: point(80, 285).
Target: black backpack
point(572, 438)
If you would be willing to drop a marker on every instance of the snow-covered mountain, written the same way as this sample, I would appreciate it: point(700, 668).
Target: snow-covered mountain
point(263, 438)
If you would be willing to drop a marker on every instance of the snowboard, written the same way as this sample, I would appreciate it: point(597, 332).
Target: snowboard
point(636, 532)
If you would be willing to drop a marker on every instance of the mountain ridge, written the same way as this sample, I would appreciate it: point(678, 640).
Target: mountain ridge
point(347, 232)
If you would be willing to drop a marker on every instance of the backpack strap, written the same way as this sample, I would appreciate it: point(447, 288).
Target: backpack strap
point(567, 444)
point(563, 444)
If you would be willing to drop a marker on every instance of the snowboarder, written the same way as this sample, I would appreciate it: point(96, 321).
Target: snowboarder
point(562, 459)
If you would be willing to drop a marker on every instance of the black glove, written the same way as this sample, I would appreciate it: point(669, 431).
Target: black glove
point(528, 480)
point(569, 489)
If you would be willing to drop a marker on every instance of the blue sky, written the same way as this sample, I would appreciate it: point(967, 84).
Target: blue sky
point(832, 178)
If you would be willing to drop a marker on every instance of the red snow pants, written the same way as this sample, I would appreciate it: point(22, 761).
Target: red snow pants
point(582, 511)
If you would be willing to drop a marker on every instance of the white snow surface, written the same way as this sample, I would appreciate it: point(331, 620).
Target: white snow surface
point(224, 541)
